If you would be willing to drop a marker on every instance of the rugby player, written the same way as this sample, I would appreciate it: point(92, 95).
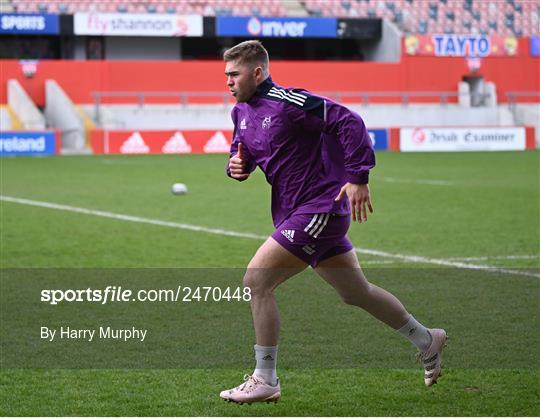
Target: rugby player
point(316, 155)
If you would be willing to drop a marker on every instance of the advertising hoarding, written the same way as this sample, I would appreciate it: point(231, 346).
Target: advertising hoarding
point(276, 27)
point(29, 24)
point(126, 24)
point(182, 141)
point(462, 139)
point(14, 143)
point(479, 46)
point(161, 142)
point(379, 138)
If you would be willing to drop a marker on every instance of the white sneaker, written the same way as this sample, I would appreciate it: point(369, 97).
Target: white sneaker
point(432, 357)
point(252, 390)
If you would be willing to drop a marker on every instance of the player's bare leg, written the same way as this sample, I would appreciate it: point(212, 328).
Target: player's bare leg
point(344, 273)
point(271, 266)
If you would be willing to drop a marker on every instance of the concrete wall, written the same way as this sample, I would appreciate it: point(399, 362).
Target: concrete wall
point(388, 48)
point(529, 115)
point(61, 114)
point(161, 116)
point(218, 116)
point(24, 107)
point(430, 115)
point(5, 119)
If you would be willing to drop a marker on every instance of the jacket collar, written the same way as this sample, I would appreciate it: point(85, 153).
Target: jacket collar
point(264, 87)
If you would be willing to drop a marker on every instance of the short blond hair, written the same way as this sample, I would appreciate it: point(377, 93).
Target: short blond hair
point(249, 52)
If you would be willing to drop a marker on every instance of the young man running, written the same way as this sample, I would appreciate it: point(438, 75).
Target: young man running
point(316, 155)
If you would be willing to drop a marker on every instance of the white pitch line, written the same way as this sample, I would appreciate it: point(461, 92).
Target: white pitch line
point(416, 181)
point(224, 232)
point(371, 262)
point(129, 218)
point(497, 257)
point(445, 262)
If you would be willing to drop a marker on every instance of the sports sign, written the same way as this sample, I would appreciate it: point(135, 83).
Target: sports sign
point(379, 138)
point(29, 24)
point(126, 24)
point(462, 139)
point(161, 142)
point(276, 27)
point(461, 45)
point(13, 143)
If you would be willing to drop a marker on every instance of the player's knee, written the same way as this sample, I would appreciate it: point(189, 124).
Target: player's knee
point(256, 281)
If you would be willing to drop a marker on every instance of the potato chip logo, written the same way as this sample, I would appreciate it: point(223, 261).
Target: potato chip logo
point(510, 45)
point(412, 43)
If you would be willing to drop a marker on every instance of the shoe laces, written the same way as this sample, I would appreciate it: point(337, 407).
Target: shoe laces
point(250, 384)
point(423, 355)
point(420, 356)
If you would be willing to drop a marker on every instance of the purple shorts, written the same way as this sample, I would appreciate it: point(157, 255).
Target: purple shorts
point(315, 237)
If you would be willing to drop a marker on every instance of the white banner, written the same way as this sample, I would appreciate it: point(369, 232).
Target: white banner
point(125, 24)
point(462, 139)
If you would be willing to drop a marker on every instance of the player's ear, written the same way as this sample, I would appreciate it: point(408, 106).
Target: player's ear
point(259, 75)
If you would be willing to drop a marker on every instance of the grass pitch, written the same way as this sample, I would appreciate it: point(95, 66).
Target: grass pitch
point(451, 210)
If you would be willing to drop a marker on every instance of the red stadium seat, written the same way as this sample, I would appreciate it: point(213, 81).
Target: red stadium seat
point(522, 16)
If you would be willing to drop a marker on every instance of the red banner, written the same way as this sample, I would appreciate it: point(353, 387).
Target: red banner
point(477, 46)
point(161, 142)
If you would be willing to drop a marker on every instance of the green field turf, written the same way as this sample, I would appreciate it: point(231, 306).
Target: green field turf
point(449, 211)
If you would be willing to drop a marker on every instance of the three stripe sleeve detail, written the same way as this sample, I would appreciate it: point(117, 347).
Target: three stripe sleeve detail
point(296, 98)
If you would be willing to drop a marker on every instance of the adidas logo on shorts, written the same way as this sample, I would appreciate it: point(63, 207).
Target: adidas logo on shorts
point(288, 233)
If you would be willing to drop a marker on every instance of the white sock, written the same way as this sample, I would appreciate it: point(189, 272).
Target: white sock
point(416, 333)
point(266, 358)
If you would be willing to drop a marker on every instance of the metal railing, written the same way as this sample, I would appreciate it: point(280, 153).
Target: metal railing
point(403, 96)
point(513, 96)
point(141, 96)
point(364, 97)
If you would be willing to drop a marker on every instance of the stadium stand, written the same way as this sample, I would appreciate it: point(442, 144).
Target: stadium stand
point(405, 91)
point(495, 17)
point(510, 17)
point(206, 8)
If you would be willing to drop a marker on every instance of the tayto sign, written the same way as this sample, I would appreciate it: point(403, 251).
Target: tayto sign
point(29, 24)
point(266, 27)
point(161, 142)
point(461, 46)
point(479, 46)
point(379, 138)
point(14, 143)
point(462, 139)
point(125, 24)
